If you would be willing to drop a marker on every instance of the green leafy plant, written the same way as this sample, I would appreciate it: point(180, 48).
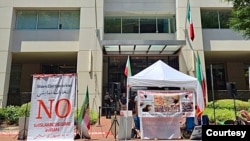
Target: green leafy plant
point(2, 115)
point(11, 114)
point(239, 20)
point(220, 114)
point(24, 110)
point(224, 109)
point(229, 104)
point(93, 117)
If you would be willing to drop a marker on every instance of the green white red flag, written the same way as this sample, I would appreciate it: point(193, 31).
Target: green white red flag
point(84, 113)
point(202, 82)
point(127, 70)
point(189, 18)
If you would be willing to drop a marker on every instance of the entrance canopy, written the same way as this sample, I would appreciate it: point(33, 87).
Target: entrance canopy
point(141, 46)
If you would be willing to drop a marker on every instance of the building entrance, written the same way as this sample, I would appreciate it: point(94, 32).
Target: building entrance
point(114, 66)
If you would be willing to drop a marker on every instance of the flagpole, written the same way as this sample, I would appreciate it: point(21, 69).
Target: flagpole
point(76, 97)
point(127, 89)
point(185, 28)
point(127, 110)
point(128, 73)
point(212, 85)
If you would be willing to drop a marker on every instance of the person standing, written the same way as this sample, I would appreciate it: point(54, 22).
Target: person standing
point(136, 117)
point(131, 104)
point(107, 104)
point(123, 101)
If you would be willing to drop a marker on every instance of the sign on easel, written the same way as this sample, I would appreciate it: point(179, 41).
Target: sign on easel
point(160, 112)
point(52, 101)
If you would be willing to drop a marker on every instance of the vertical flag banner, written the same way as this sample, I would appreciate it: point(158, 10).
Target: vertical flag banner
point(127, 70)
point(51, 113)
point(189, 18)
point(84, 118)
point(127, 73)
point(201, 80)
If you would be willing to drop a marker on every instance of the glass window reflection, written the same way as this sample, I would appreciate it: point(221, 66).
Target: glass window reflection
point(130, 25)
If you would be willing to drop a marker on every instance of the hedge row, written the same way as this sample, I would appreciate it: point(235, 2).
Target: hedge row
point(229, 104)
point(224, 109)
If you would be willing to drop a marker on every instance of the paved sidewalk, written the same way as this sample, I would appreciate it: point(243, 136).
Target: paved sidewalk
point(98, 132)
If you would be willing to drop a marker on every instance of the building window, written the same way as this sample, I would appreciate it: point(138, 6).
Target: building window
point(148, 25)
point(224, 18)
point(143, 24)
point(58, 68)
point(163, 25)
point(246, 75)
point(218, 75)
point(26, 19)
point(130, 25)
point(69, 20)
point(112, 25)
point(215, 18)
point(48, 19)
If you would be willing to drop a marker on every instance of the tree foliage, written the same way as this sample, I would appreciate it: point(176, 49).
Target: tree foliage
point(240, 17)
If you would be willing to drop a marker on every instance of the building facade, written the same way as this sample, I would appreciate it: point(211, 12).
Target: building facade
point(93, 38)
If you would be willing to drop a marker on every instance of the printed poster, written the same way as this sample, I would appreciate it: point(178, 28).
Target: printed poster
point(51, 113)
point(154, 103)
point(161, 112)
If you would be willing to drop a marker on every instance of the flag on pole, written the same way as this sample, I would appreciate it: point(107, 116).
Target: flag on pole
point(84, 113)
point(128, 73)
point(202, 83)
point(189, 18)
point(127, 70)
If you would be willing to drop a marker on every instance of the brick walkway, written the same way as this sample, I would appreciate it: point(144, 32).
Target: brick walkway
point(97, 132)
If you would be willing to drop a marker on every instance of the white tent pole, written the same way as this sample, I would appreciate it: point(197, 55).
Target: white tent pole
point(126, 122)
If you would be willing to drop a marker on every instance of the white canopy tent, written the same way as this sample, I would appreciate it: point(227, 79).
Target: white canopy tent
point(160, 74)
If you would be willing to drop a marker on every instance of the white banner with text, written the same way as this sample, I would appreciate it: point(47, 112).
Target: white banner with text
point(52, 102)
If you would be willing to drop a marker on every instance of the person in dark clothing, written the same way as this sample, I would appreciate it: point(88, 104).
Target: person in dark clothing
point(107, 103)
point(123, 101)
point(131, 104)
point(136, 117)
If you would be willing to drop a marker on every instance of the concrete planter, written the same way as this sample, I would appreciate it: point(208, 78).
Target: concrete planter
point(23, 128)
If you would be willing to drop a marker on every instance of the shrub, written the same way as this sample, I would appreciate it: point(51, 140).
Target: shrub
point(11, 114)
point(224, 109)
point(24, 110)
point(93, 117)
point(221, 115)
point(2, 115)
point(2, 112)
point(229, 104)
